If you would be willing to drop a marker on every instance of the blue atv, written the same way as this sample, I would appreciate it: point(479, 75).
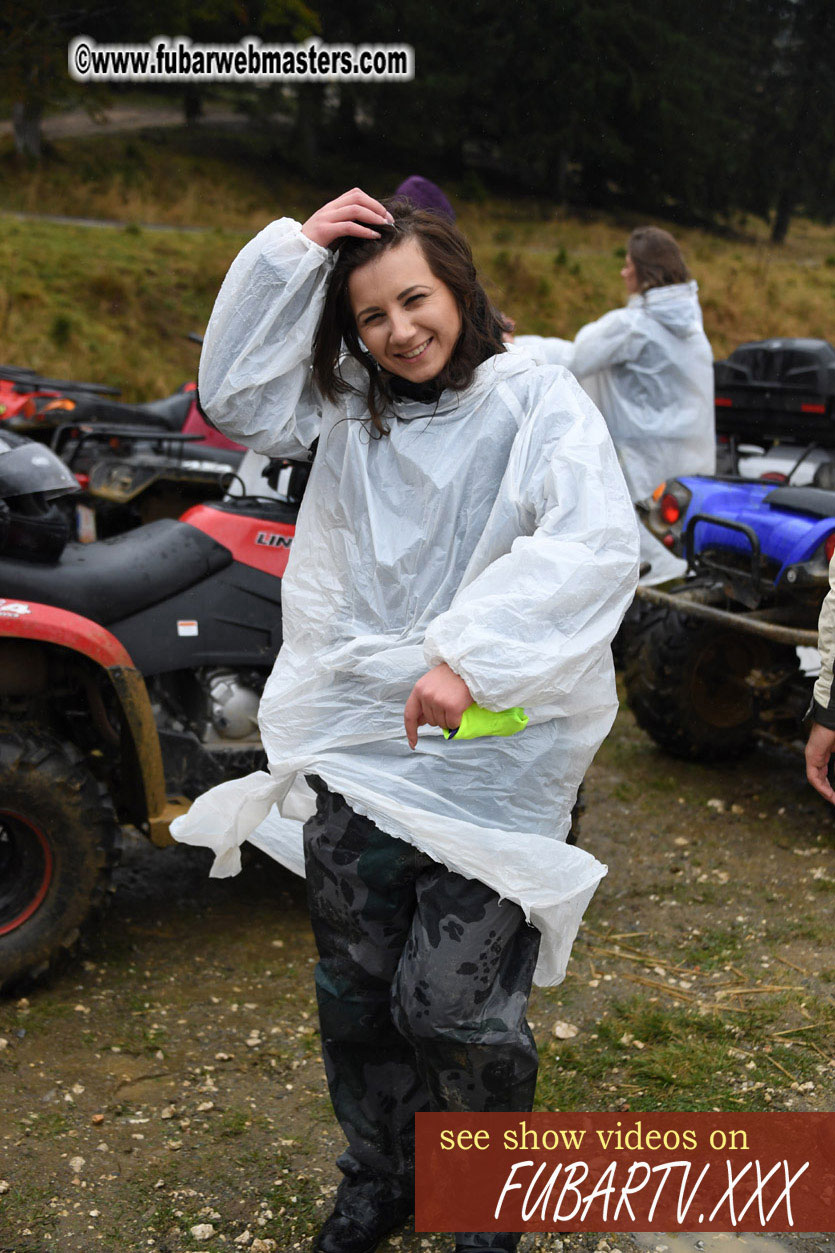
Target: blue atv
point(711, 660)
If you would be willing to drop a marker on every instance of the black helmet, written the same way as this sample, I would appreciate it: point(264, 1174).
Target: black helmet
point(27, 468)
point(32, 477)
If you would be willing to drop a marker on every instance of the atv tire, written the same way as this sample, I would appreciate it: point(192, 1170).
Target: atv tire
point(686, 683)
point(58, 837)
point(635, 618)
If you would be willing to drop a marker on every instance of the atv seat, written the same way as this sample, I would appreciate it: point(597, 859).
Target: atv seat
point(167, 414)
point(815, 500)
point(111, 579)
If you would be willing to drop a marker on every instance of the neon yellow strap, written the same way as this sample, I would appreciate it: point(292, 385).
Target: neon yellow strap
point(476, 722)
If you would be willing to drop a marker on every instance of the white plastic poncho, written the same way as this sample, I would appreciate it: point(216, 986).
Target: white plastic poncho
point(493, 532)
point(649, 369)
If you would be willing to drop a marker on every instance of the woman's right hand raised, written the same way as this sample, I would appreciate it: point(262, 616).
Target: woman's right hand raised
point(352, 213)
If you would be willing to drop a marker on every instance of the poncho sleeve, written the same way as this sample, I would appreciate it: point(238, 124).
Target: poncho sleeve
point(611, 340)
point(528, 627)
point(255, 381)
point(546, 349)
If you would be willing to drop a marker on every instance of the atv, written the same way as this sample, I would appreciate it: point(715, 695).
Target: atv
point(133, 474)
point(24, 394)
point(135, 463)
point(775, 412)
point(130, 676)
point(711, 660)
point(712, 663)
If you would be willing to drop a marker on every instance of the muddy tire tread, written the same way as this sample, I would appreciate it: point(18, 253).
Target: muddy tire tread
point(656, 678)
point(31, 762)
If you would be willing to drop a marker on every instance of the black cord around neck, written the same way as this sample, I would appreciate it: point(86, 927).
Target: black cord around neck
point(426, 393)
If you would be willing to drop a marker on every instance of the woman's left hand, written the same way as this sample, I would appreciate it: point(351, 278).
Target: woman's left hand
point(438, 699)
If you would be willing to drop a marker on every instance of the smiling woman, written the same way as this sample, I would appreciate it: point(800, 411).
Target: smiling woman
point(420, 267)
point(411, 322)
point(466, 536)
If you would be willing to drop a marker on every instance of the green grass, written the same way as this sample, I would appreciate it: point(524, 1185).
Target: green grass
point(296, 1202)
point(232, 1123)
point(115, 306)
point(46, 1125)
point(129, 301)
point(647, 1057)
point(714, 949)
point(27, 1206)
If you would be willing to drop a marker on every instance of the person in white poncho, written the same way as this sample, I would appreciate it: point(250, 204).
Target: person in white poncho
point(649, 369)
point(466, 536)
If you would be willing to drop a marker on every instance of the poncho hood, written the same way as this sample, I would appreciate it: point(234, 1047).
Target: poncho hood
point(676, 307)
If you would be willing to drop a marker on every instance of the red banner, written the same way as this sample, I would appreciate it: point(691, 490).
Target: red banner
point(625, 1172)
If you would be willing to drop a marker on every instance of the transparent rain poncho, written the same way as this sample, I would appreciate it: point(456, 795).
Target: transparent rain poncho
point(492, 531)
point(649, 368)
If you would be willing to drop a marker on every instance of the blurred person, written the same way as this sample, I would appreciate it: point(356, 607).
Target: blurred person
point(424, 194)
point(821, 742)
point(649, 369)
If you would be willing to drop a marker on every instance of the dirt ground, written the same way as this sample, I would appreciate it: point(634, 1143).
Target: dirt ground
point(166, 1092)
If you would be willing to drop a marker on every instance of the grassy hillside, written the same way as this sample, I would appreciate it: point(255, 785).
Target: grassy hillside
point(115, 304)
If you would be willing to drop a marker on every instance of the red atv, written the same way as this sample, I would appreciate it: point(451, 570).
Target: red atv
point(130, 676)
point(134, 463)
point(25, 395)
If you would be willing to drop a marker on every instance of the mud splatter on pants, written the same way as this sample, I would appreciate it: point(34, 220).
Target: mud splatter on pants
point(422, 986)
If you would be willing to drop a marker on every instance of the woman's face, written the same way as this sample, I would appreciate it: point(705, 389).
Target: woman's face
point(630, 276)
point(407, 318)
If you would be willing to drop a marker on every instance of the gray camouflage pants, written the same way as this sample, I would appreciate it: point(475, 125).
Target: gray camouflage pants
point(422, 986)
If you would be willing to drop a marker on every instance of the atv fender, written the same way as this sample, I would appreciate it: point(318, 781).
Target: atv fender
point(44, 624)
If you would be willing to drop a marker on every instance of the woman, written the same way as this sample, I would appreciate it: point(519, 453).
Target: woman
point(465, 536)
point(649, 369)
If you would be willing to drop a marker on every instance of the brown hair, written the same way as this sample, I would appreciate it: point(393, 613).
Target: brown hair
point(450, 259)
point(657, 258)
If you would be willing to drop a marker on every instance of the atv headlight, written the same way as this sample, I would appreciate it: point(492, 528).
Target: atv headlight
point(664, 512)
point(814, 572)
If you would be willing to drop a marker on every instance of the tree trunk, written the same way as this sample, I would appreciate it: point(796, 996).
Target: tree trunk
point(26, 122)
point(192, 105)
point(348, 132)
point(558, 175)
point(813, 49)
point(308, 126)
point(783, 215)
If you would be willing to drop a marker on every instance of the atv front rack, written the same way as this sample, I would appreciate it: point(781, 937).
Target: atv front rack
point(694, 563)
point(750, 623)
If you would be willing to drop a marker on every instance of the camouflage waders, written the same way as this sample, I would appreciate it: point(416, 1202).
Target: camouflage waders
point(422, 986)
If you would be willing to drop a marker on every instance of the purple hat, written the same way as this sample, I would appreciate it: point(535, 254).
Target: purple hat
point(425, 195)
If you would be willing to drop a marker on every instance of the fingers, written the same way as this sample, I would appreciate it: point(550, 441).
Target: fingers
point(420, 712)
point(323, 229)
point(412, 718)
point(352, 213)
point(358, 212)
point(438, 699)
point(435, 714)
point(356, 196)
point(818, 777)
point(819, 750)
point(817, 773)
point(356, 220)
point(353, 228)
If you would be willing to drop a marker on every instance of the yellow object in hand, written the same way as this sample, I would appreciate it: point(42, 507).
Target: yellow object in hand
point(476, 722)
